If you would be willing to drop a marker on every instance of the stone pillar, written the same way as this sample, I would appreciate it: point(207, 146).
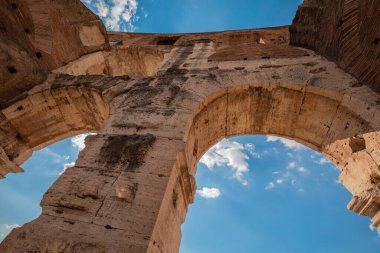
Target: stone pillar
point(126, 193)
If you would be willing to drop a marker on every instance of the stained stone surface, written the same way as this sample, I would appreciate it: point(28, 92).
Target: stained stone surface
point(158, 102)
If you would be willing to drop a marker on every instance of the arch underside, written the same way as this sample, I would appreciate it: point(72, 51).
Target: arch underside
point(123, 170)
point(46, 116)
point(158, 103)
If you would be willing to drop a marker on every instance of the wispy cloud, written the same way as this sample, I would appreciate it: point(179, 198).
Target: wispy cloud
point(209, 193)
point(231, 154)
point(302, 170)
point(286, 142)
point(291, 165)
point(11, 226)
point(290, 176)
point(66, 166)
point(273, 184)
point(373, 229)
point(56, 158)
point(78, 141)
point(269, 186)
point(117, 15)
point(324, 160)
point(250, 147)
point(6, 229)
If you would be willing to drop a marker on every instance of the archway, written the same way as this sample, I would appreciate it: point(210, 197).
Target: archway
point(321, 119)
point(134, 180)
point(45, 115)
point(21, 193)
point(332, 117)
point(285, 193)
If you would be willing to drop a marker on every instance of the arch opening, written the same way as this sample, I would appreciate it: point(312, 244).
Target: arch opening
point(40, 124)
point(46, 115)
point(254, 190)
point(325, 120)
point(22, 194)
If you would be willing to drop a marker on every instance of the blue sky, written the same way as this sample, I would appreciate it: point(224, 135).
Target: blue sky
point(255, 193)
point(178, 16)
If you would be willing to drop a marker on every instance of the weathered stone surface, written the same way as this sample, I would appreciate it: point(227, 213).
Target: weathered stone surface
point(158, 102)
point(37, 36)
point(346, 31)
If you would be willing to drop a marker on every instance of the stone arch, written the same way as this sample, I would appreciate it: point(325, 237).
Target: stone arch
point(45, 115)
point(323, 120)
point(308, 99)
point(134, 181)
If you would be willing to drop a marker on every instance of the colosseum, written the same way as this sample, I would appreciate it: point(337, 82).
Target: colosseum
point(158, 102)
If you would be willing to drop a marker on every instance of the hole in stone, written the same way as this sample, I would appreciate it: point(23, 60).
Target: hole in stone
point(18, 137)
point(20, 108)
point(39, 55)
point(376, 41)
point(26, 30)
point(12, 70)
point(108, 227)
point(357, 144)
point(14, 6)
point(167, 41)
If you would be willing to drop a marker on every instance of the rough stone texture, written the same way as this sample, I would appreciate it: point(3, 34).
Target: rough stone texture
point(346, 31)
point(158, 102)
point(37, 36)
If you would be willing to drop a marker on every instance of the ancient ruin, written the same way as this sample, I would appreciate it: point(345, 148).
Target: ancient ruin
point(158, 102)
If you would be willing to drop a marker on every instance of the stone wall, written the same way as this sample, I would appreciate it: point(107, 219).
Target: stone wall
point(345, 31)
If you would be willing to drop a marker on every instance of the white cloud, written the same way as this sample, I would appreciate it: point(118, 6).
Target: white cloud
point(230, 154)
point(118, 15)
point(66, 166)
point(57, 158)
point(5, 229)
point(251, 149)
point(11, 226)
point(323, 160)
point(102, 9)
point(302, 170)
point(291, 165)
point(209, 193)
point(279, 181)
point(269, 186)
point(286, 142)
point(272, 185)
point(78, 141)
point(374, 229)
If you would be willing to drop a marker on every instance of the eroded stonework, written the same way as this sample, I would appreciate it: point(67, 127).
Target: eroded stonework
point(158, 102)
